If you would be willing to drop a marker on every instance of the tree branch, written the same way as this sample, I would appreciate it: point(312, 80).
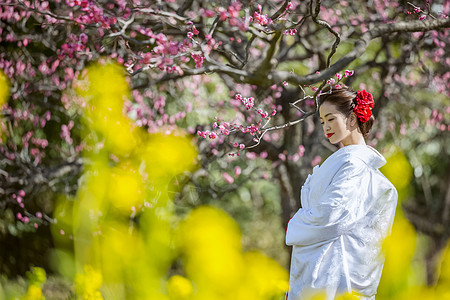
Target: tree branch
point(360, 46)
point(326, 25)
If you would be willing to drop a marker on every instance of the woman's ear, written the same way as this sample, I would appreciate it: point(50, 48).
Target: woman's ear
point(353, 120)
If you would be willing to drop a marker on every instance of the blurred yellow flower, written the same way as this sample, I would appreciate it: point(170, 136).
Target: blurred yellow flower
point(179, 288)
point(105, 78)
point(399, 171)
point(37, 278)
point(168, 155)
point(4, 88)
point(210, 240)
point(126, 188)
point(399, 249)
point(104, 87)
point(264, 278)
point(88, 283)
point(34, 292)
point(210, 244)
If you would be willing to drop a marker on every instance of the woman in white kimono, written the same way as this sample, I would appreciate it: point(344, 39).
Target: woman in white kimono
point(348, 207)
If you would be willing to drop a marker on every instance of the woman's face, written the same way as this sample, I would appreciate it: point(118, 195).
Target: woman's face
point(335, 125)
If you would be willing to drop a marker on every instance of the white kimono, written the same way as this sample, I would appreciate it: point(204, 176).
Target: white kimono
point(348, 208)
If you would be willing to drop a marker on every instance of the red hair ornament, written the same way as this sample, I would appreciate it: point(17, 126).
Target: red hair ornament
point(364, 105)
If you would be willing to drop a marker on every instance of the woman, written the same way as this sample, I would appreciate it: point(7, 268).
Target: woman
point(348, 207)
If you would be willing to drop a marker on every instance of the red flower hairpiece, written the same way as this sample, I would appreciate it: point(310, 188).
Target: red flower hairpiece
point(364, 105)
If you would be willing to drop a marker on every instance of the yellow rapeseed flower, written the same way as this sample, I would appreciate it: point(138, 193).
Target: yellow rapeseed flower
point(34, 292)
point(104, 87)
point(4, 95)
point(210, 241)
point(126, 188)
point(264, 278)
point(399, 171)
point(88, 283)
point(211, 247)
point(37, 278)
point(179, 288)
point(398, 249)
point(168, 155)
point(4, 88)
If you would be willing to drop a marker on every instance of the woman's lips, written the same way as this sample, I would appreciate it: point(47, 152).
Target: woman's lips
point(329, 135)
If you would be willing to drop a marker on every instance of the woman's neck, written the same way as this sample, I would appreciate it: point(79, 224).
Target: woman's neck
point(355, 138)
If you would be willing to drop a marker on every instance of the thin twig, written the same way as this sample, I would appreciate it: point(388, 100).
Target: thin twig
point(277, 127)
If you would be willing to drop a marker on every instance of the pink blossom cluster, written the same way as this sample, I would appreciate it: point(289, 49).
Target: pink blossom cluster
point(24, 219)
point(263, 114)
point(207, 134)
point(27, 115)
point(248, 102)
point(261, 19)
point(153, 116)
point(73, 46)
point(339, 76)
point(164, 53)
point(43, 143)
point(419, 12)
point(223, 128)
point(8, 12)
point(198, 59)
point(207, 13)
point(15, 69)
point(193, 31)
point(232, 15)
point(290, 32)
point(252, 129)
point(19, 198)
point(332, 16)
point(93, 13)
point(294, 157)
point(240, 146)
point(441, 83)
point(438, 120)
point(348, 73)
point(65, 132)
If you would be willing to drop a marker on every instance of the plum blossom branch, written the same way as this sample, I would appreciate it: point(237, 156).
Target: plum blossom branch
point(258, 131)
point(419, 10)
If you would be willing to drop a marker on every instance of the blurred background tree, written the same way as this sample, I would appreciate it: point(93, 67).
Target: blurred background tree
point(186, 61)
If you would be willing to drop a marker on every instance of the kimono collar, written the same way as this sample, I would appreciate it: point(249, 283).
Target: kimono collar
point(366, 153)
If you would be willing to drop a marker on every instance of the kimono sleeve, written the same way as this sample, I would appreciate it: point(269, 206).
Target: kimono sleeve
point(335, 211)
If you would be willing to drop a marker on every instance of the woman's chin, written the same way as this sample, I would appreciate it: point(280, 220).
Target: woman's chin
point(333, 141)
